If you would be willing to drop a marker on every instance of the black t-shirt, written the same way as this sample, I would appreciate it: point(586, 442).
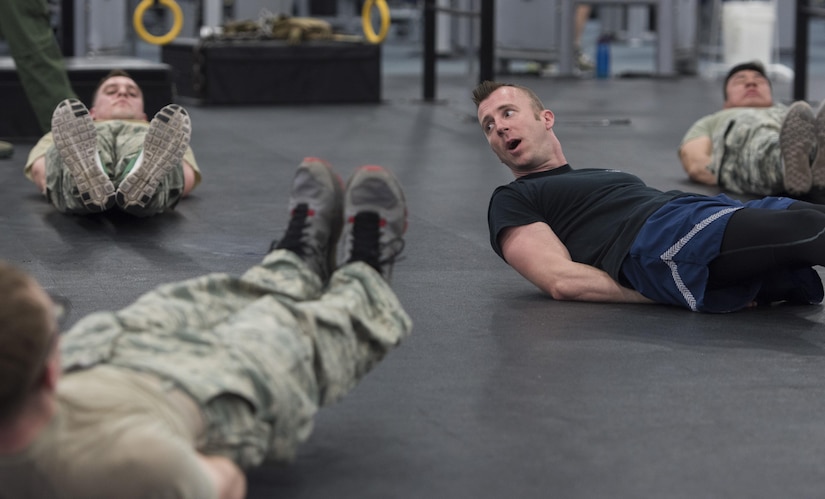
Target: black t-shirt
point(596, 213)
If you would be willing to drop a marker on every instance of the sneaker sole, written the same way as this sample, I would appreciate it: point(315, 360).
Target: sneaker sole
point(380, 174)
point(796, 140)
point(321, 168)
point(372, 179)
point(75, 138)
point(163, 149)
point(818, 166)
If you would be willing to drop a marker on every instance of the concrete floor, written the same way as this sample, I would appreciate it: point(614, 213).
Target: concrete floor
point(500, 391)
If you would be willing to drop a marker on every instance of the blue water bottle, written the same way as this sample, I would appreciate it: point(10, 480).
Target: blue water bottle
point(603, 57)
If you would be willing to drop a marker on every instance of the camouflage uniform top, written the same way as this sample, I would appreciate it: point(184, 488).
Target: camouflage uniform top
point(745, 155)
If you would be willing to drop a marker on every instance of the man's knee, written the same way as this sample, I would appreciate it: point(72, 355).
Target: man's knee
point(803, 225)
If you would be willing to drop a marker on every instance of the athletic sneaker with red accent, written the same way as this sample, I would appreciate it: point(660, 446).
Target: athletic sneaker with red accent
point(316, 216)
point(375, 219)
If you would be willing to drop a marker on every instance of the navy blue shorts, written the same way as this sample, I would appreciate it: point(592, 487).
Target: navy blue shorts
point(669, 259)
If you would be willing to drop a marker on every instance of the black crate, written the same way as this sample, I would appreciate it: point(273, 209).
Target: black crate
point(275, 72)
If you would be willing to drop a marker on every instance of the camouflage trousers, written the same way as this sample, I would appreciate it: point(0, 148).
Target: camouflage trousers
point(119, 143)
point(746, 154)
point(38, 62)
point(258, 353)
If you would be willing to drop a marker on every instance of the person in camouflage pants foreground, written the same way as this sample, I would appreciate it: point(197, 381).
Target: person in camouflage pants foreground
point(755, 146)
point(176, 394)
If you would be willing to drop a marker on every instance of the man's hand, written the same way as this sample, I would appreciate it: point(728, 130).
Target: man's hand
point(696, 156)
point(38, 173)
point(227, 477)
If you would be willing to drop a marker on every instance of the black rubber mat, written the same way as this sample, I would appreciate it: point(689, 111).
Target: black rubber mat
point(500, 391)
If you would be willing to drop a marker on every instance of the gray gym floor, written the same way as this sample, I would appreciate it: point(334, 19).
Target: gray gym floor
point(500, 391)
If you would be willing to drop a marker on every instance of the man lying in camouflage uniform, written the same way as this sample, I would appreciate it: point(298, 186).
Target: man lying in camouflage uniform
point(177, 393)
point(755, 146)
point(109, 155)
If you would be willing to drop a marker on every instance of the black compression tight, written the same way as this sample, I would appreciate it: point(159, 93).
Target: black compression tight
point(758, 241)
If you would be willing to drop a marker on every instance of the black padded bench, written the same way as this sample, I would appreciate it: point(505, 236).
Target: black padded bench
point(244, 72)
point(17, 120)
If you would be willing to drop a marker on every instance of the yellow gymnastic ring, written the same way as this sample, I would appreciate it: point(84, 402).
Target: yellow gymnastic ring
point(177, 23)
point(366, 20)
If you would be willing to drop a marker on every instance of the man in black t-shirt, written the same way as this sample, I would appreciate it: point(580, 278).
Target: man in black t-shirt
point(605, 236)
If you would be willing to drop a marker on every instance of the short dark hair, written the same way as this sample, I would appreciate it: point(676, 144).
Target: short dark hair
point(751, 65)
point(110, 74)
